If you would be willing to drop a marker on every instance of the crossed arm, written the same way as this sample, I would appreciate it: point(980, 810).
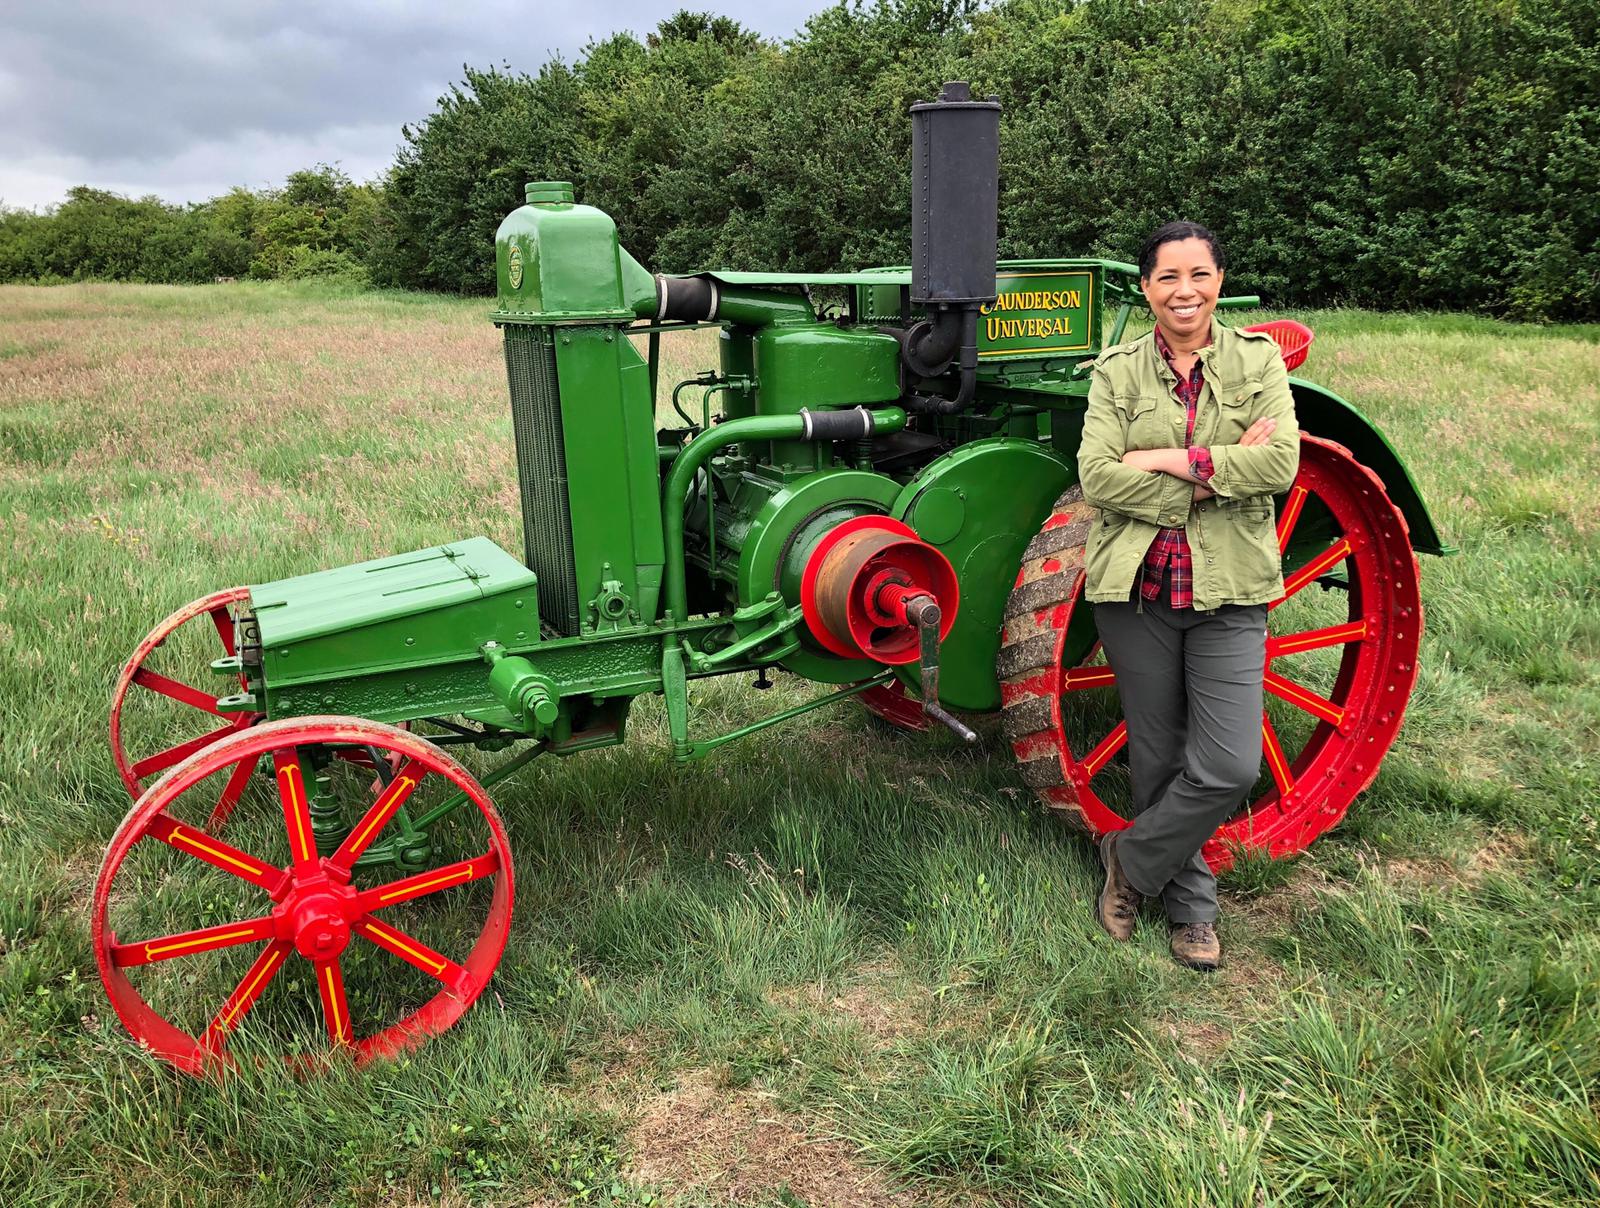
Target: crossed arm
point(1178, 463)
point(1160, 485)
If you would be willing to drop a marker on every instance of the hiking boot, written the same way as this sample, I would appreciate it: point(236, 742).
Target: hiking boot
point(1118, 902)
point(1196, 945)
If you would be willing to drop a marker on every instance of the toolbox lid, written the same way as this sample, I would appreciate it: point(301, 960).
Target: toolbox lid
point(351, 597)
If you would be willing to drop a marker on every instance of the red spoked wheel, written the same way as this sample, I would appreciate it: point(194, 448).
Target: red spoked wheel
point(1342, 650)
point(163, 708)
point(338, 918)
point(896, 704)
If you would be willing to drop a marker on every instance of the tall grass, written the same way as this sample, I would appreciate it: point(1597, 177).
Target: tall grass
point(889, 948)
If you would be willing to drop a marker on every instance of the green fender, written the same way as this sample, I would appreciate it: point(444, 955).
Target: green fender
point(980, 505)
point(1323, 413)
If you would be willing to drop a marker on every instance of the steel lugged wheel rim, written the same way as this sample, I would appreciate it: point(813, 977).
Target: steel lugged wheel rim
point(304, 918)
point(1308, 783)
point(183, 685)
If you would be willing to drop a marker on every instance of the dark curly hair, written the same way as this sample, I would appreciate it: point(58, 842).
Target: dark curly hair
point(1173, 232)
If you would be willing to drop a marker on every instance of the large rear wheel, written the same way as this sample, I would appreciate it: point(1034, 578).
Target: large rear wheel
point(1341, 662)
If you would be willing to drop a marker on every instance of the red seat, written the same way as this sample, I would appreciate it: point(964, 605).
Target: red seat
point(1293, 338)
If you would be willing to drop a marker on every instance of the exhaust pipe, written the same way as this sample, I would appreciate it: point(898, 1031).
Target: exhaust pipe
point(955, 203)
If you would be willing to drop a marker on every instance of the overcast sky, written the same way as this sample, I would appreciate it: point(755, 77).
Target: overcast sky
point(186, 100)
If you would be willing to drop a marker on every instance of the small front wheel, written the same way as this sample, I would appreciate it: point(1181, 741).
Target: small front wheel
point(345, 913)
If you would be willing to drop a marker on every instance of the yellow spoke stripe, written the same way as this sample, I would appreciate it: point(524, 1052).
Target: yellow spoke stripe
point(246, 993)
point(1109, 746)
point(164, 948)
point(214, 853)
point(1291, 514)
point(1305, 698)
point(1325, 561)
point(1276, 760)
point(337, 1023)
point(402, 946)
point(299, 835)
point(420, 887)
point(1078, 678)
point(380, 813)
point(1313, 639)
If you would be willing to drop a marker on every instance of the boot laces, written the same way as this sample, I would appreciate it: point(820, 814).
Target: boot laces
point(1124, 903)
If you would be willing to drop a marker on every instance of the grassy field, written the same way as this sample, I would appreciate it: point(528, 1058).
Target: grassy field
point(769, 979)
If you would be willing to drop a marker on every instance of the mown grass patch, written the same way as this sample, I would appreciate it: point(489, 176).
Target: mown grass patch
point(872, 976)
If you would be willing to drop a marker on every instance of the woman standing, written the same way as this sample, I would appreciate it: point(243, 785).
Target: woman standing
point(1189, 433)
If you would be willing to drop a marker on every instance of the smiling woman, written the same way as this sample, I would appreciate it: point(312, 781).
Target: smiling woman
point(1190, 431)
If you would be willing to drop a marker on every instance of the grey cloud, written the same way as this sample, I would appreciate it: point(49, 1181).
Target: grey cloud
point(131, 96)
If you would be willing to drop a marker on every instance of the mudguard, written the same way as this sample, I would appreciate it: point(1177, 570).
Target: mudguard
point(1323, 413)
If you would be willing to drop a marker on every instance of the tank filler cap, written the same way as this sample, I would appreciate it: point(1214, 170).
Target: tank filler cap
point(548, 192)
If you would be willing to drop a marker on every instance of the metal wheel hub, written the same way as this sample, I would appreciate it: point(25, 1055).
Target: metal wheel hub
point(317, 918)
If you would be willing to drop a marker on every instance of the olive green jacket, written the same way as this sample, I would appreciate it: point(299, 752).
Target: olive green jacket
point(1232, 536)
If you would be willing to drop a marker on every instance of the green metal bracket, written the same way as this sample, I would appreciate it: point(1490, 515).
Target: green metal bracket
point(454, 802)
point(699, 750)
point(675, 688)
point(612, 609)
point(785, 622)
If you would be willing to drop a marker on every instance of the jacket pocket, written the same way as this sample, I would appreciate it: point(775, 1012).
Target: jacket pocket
point(1239, 404)
point(1243, 558)
point(1240, 394)
point(1144, 425)
point(1255, 510)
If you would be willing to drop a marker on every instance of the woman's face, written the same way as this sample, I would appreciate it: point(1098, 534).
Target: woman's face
point(1183, 288)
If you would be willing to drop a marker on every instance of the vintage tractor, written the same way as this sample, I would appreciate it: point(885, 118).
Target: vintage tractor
point(883, 503)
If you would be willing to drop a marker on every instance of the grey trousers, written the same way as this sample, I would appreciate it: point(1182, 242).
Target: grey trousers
point(1190, 684)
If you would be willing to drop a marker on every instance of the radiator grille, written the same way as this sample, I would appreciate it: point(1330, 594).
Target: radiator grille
point(542, 469)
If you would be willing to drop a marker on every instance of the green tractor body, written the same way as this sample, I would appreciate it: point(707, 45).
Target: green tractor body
point(877, 495)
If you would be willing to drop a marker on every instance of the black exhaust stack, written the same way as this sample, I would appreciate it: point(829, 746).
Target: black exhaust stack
point(955, 200)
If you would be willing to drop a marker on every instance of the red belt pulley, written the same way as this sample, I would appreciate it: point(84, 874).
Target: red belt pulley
point(873, 589)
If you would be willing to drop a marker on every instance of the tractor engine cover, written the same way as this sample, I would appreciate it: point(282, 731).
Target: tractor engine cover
point(858, 582)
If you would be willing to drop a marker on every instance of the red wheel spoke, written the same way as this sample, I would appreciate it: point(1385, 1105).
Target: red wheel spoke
point(1078, 678)
point(231, 792)
point(1323, 562)
point(1108, 746)
point(377, 817)
point(177, 690)
point(162, 760)
point(432, 881)
point(188, 943)
point(1316, 639)
point(1303, 698)
point(310, 910)
point(223, 620)
point(1277, 761)
point(296, 809)
point(214, 851)
point(245, 994)
point(335, 1006)
point(414, 952)
point(1290, 516)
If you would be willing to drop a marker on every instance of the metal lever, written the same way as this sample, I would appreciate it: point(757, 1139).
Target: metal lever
point(923, 611)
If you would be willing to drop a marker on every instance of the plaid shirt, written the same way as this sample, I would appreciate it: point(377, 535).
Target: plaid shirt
point(1169, 551)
